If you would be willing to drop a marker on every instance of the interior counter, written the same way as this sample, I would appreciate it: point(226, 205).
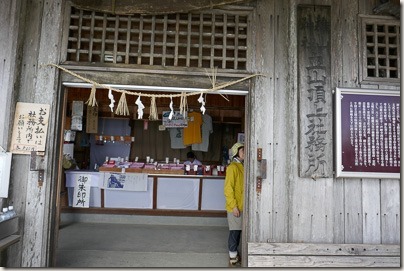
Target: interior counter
point(151, 191)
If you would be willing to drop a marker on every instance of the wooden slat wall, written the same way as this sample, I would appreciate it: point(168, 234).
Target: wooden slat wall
point(288, 209)
point(260, 211)
point(328, 210)
point(390, 211)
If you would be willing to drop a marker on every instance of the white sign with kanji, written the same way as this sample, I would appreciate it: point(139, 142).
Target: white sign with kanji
point(82, 190)
point(30, 128)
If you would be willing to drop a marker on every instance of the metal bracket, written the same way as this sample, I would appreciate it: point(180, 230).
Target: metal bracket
point(37, 163)
point(259, 184)
point(259, 154)
point(263, 168)
point(41, 174)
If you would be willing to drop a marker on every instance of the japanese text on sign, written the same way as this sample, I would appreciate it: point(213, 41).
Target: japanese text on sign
point(315, 130)
point(30, 128)
point(370, 133)
point(315, 95)
point(82, 189)
point(177, 120)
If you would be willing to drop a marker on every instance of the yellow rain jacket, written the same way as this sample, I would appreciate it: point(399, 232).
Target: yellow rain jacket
point(234, 186)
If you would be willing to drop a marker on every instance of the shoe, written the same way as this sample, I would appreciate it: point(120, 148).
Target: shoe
point(236, 261)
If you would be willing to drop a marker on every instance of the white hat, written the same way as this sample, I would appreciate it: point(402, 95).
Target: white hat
point(235, 148)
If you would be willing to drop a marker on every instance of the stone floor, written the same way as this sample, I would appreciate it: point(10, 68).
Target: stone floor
point(100, 244)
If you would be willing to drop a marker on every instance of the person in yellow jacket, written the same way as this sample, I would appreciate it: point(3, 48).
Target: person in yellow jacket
point(234, 194)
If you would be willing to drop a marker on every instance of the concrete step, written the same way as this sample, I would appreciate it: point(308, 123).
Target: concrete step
point(67, 218)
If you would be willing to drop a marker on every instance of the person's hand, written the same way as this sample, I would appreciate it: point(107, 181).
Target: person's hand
point(236, 212)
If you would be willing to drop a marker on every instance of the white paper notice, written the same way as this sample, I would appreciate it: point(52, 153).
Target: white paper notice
point(81, 195)
point(126, 181)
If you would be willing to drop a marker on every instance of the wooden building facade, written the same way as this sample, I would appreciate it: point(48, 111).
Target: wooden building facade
point(297, 212)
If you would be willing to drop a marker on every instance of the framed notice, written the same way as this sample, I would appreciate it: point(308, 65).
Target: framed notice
point(368, 133)
point(30, 128)
point(177, 121)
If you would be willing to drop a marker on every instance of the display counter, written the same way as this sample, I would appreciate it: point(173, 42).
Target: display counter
point(150, 191)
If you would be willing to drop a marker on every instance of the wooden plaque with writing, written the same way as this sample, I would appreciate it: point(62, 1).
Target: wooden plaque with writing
point(315, 94)
point(30, 128)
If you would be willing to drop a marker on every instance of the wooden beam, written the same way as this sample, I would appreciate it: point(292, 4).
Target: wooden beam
point(323, 255)
point(8, 241)
point(391, 8)
point(152, 212)
point(126, 7)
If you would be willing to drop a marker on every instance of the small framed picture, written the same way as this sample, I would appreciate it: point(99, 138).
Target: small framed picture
point(240, 138)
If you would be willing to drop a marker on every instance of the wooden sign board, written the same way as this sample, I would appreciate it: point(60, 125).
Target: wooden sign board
point(92, 120)
point(368, 133)
point(315, 93)
point(30, 128)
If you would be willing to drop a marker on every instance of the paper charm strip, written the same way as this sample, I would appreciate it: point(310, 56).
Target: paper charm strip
point(172, 109)
point(111, 97)
point(140, 108)
point(202, 102)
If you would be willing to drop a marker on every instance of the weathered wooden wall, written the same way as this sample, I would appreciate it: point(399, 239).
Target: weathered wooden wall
point(291, 209)
point(8, 39)
point(34, 39)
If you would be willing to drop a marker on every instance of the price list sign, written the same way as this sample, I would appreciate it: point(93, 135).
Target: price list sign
point(368, 133)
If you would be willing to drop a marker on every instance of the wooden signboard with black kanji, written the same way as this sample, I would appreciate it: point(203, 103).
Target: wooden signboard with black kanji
point(30, 128)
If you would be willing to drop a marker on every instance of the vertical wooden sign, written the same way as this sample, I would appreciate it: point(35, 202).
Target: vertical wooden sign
point(92, 120)
point(30, 128)
point(315, 95)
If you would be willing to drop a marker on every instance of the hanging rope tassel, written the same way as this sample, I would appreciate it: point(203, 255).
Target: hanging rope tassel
point(153, 109)
point(122, 108)
point(91, 100)
point(183, 104)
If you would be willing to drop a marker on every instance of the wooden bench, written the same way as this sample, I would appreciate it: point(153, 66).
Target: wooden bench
point(322, 255)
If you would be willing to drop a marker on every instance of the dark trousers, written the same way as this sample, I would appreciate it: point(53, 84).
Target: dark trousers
point(234, 240)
